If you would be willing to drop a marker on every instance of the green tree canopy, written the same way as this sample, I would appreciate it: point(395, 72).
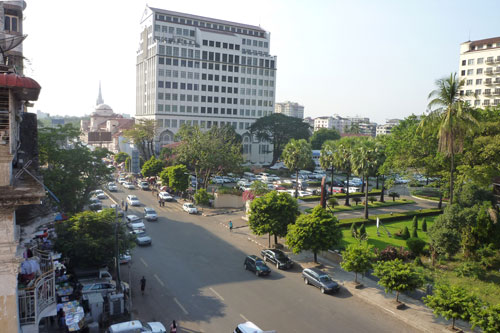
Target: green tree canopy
point(488, 318)
point(152, 167)
point(342, 157)
point(297, 155)
point(321, 136)
point(272, 213)
point(318, 231)
point(279, 130)
point(71, 170)
point(327, 158)
point(142, 135)
point(121, 157)
point(178, 177)
point(452, 302)
point(395, 275)
point(358, 258)
point(88, 238)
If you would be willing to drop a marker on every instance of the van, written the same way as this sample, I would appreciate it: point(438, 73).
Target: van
point(92, 274)
point(136, 326)
point(249, 327)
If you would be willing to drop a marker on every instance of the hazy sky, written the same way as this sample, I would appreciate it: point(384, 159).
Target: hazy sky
point(373, 58)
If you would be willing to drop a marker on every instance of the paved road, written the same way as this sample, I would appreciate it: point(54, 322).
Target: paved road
point(194, 272)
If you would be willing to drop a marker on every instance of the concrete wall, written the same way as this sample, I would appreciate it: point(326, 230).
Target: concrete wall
point(228, 201)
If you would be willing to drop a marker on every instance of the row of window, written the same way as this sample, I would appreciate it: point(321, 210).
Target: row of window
point(196, 75)
point(484, 46)
point(211, 77)
point(174, 31)
point(256, 43)
point(480, 71)
point(173, 123)
point(480, 61)
point(211, 88)
point(478, 92)
point(486, 102)
point(211, 110)
point(470, 82)
point(210, 25)
point(224, 45)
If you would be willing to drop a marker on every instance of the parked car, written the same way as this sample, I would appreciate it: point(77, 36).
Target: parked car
point(166, 196)
point(338, 189)
point(190, 208)
point(121, 180)
point(137, 326)
point(112, 187)
point(95, 204)
point(320, 279)
point(134, 222)
point(129, 185)
point(99, 194)
point(150, 214)
point(257, 265)
point(133, 200)
point(141, 238)
point(125, 258)
point(277, 257)
point(218, 180)
point(103, 287)
point(144, 186)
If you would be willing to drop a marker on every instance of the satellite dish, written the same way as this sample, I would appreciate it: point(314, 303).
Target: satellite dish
point(7, 43)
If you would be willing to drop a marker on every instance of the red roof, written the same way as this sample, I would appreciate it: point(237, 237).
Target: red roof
point(26, 88)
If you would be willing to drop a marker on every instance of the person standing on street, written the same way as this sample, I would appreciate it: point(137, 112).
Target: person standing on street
point(143, 285)
point(173, 327)
point(126, 206)
point(230, 226)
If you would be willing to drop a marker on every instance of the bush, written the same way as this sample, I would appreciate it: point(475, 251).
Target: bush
point(310, 198)
point(416, 245)
point(354, 230)
point(415, 222)
point(424, 225)
point(392, 253)
point(406, 233)
point(356, 200)
point(470, 269)
point(201, 197)
point(392, 217)
point(418, 262)
point(229, 190)
point(333, 202)
point(362, 232)
point(414, 233)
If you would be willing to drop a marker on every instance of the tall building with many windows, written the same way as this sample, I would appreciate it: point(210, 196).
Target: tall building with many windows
point(290, 109)
point(480, 70)
point(207, 72)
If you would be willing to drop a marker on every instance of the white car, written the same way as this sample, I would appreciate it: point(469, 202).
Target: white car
point(190, 208)
point(133, 200)
point(100, 194)
point(112, 187)
point(165, 196)
point(150, 214)
point(129, 185)
point(137, 326)
point(121, 180)
point(125, 258)
point(218, 180)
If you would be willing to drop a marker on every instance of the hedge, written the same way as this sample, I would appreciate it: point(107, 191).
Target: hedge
point(392, 217)
point(229, 190)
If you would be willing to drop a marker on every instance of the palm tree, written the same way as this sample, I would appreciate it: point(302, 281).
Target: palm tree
point(364, 161)
point(453, 116)
point(342, 160)
point(297, 155)
point(327, 158)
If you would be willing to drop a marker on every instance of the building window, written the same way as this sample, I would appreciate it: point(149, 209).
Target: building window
point(11, 23)
point(470, 62)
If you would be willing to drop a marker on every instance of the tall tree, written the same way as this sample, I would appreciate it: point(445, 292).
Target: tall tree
point(279, 129)
point(395, 275)
point(321, 136)
point(318, 231)
point(296, 156)
point(364, 161)
point(178, 177)
point(215, 151)
point(358, 258)
point(142, 135)
point(152, 167)
point(454, 116)
point(327, 158)
point(121, 157)
point(272, 213)
point(342, 160)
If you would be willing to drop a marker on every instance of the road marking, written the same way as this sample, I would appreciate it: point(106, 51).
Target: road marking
point(142, 260)
point(244, 318)
point(180, 305)
point(216, 293)
point(159, 281)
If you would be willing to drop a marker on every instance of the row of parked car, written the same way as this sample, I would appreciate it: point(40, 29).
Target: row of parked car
point(311, 276)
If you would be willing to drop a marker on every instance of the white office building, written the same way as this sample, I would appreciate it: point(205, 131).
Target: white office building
point(290, 109)
point(480, 70)
point(206, 72)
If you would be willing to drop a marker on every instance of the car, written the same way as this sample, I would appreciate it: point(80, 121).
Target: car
point(165, 196)
point(129, 185)
point(338, 189)
point(100, 194)
point(134, 222)
point(150, 214)
point(112, 187)
point(218, 180)
point(122, 180)
point(137, 326)
point(103, 287)
point(95, 204)
point(125, 258)
point(144, 186)
point(248, 327)
point(257, 265)
point(320, 279)
point(133, 200)
point(141, 238)
point(190, 208)
point(277, 257)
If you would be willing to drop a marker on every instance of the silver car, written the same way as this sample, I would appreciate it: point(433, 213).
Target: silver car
point(150, 214)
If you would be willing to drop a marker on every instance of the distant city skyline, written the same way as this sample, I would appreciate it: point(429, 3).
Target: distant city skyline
point(353, 58)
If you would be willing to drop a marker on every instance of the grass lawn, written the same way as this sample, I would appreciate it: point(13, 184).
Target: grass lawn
point(384, 240)
point(375, 204)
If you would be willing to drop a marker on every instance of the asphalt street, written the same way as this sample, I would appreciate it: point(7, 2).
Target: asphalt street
point(195, 275)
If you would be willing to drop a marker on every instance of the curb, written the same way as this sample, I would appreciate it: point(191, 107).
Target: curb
point(221, 213)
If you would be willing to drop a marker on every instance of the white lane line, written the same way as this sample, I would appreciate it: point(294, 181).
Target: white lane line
point(244, 318)
point(216, 293)
point(159, 281)
point(180, 305)
point(142, 260)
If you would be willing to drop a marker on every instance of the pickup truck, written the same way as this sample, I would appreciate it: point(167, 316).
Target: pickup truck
point(92, 274)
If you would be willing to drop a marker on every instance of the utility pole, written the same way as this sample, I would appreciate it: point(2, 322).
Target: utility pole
point(117, 252)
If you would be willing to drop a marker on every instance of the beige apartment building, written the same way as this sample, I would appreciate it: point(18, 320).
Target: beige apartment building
point(480, 71)
point(290, 109)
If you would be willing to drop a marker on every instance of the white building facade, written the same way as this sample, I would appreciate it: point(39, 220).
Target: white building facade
point(480, 70)
point(206, 72)
point(290, 109)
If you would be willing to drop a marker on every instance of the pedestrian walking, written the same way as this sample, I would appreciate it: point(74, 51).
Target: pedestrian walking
point(126, 206)
point(122, 203)
point(230, 226)
point(159, 202)
point(162, 202)
point(143, 285)
point(173, 327)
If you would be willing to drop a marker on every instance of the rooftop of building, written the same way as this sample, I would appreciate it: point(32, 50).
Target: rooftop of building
point(483, 41)
point(203, 18)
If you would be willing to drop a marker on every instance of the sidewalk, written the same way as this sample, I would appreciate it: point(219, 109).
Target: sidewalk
point(416, 314)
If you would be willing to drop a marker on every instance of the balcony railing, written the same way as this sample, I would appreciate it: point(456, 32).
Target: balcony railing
point(33, 300)
point(490, 60)
point(46, 263)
